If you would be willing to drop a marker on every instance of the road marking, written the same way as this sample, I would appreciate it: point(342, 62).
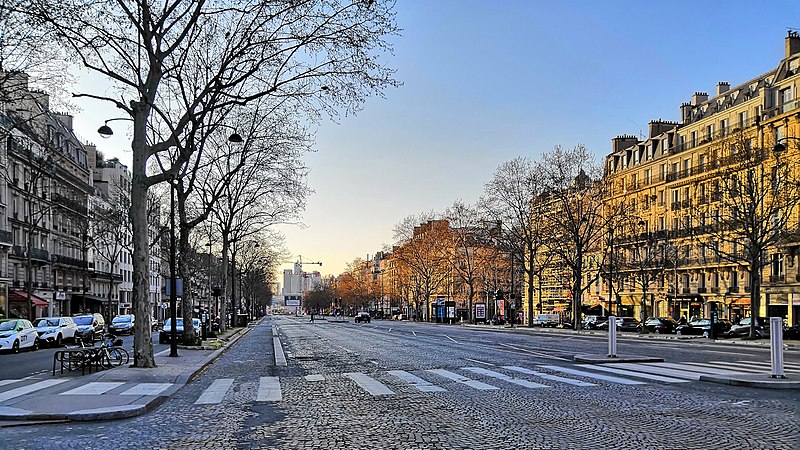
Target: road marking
point(369, 384)
point(5, 382)
point(315, 377)
point(417, 382)
point(547, 376)
point(142, 389)
point(448, 337)
point(94, 388)
point(539, 354)
point(162, 352)
point(280, 357)
point(767, 365)
point(592, 375)
point(693, 368)
point(389, 331)
point(504, 377)
point(463, 380)
point(13, 393)
point(480, 362)
point(647, 376)
point(269, 390)
point(215, 393)
point(413, 332)
point(646, 368)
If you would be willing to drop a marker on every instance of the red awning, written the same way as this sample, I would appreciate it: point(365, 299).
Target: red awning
point(21, 296)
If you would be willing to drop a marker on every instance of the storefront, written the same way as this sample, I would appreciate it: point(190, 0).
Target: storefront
point(19, 304)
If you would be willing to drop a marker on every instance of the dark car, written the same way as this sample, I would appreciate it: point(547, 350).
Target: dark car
point(627, 323)
point(592, 322)
point(742, 329)
point(122, 324)
point(659, 325)
point(91, 327)
point(362, 317)
point(165, 336)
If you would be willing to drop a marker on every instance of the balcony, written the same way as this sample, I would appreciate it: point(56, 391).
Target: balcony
point(71, 204)
point(715, 289)
point(36, 253)
point(67, 261)
point(702, 290)
point(733, 290)
point(777, 278)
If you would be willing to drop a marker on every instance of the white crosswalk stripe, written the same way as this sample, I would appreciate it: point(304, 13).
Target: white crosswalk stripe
point(611, 368)
point(416, 381)
point(369, 384)
point(269, 390)
point(144, 389)
point(94, 388)
point(705, 370)
point(647, 368)
point(596, 376)
point(549, 377)
point(22, 390)
point(215, 393)
point(504, 377)
point(463, 380)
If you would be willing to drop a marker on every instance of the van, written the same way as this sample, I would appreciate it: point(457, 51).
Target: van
point(547, 320)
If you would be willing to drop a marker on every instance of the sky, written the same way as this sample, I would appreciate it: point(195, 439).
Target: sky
point(486, 81)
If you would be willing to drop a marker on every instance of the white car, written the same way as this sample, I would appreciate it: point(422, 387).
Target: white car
point(56, 330)
point(16, 334)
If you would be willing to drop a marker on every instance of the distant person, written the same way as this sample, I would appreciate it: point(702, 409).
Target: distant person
point(312, 316)
point(682, 320)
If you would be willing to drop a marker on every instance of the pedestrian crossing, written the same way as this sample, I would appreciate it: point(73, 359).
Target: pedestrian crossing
point(430, 381)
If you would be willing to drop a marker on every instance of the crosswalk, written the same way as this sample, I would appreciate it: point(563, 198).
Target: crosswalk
point(429, 381)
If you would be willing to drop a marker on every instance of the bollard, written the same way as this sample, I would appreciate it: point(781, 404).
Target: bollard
point(776, 346)
point(612, 337)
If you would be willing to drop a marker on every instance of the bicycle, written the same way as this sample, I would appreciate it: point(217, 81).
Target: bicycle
point(108, 355)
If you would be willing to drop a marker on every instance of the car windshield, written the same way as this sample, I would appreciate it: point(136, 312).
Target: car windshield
point(47, 323)
point(121, 319)
point(168, 323)
point(84, 320)
point(8, 326)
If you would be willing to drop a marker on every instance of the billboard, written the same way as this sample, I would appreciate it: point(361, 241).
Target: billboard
point(292, 300)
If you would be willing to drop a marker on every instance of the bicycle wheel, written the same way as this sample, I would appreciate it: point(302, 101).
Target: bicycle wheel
point(125, 357)
point(111, 358)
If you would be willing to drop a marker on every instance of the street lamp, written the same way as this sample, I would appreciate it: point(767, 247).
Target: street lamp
point(173, 285)
point(106, 132)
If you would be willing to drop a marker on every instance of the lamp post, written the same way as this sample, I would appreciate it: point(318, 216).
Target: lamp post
point(173, 285)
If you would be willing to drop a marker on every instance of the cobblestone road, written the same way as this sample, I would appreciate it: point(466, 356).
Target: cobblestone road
point(331, 398)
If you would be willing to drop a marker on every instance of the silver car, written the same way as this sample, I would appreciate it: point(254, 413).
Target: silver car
point(56, 330)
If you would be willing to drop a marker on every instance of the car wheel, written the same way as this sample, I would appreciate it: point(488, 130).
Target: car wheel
point(678, 333)
point(36, 344)
point(15, 347)
point(705, 334)
point(657, 331)
point(58, 340)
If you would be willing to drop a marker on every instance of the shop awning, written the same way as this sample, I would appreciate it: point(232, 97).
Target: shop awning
point(22, 296)
point(90, 297)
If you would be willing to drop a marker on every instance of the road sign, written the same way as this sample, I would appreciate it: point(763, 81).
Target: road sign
point(292, 300)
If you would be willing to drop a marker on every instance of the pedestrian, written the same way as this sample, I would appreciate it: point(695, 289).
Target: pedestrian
point(312, 316)
point(682, 321)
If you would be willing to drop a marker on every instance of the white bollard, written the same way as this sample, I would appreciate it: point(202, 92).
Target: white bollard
point(612, 337)
point(776, 346)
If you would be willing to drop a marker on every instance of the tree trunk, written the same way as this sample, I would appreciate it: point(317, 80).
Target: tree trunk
point(187, 310)
point(755, 294)
point(223, 307)
point(530, 298)
point(143, 341)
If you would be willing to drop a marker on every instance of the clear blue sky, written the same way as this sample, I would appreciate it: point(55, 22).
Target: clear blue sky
point(487, 81)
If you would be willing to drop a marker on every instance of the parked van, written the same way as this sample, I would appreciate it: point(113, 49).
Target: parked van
point(547, 320)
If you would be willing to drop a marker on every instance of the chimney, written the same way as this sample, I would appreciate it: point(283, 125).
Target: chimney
point(660, 126)
point(66, 119)
point(792, 43)
point(622, 142)
point(686, 112)
point(699, 97)
point(722, 87)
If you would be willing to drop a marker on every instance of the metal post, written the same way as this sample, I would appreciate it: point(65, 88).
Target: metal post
point(776, 346)
point(612, 337)
point(173, 285)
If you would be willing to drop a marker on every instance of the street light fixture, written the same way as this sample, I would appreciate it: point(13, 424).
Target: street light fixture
point(106, 132)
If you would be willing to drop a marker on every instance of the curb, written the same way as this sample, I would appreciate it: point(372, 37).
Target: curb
point(604, 359)
point(756, 383)
point(19, 416)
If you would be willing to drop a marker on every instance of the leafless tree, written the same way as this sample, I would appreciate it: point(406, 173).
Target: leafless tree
point(175, 64)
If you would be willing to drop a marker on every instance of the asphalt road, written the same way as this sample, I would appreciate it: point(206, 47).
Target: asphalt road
point(405, 385)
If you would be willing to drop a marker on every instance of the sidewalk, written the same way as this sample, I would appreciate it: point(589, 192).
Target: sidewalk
point(108, 394)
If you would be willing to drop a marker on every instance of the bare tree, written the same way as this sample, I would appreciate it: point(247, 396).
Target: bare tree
point(573, 210)
point(183, 60)
point(753, 194)
point(511, 201)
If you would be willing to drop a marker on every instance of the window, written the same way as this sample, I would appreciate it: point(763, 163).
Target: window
point(742, 119)
point(723, 126)
point(661, 197)
point(676, 196)
point(776, 265)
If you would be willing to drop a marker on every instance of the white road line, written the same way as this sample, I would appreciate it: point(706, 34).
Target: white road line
point(22, 390)
point(5, 382)
point(413, 332)
point(693, 368)
point(142, 389)
point(504, 377)
point(369, 384)
point(448, 337)
point(315, 377)
point(280, 357)
point(417, 382)
point(463, 380)
point(648, 376)
point(215, 393)
point(539, 354)
point(768, 365)
point(723, 352)
point(269, 390)
point(480, 362)
point(596, 376)
point(547, 376)
point(162, 352)
point(647, 368)
point(94, 388)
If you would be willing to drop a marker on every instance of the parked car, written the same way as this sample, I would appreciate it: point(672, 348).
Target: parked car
point(547, 320)
point(55, 330)
point(166, 332)
point(701, 327)
point(742, 328)
point(594, 322)
point(659, 325)
point(91, 327)
point(362, 317)
point(16, 334)
point(122, 324)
